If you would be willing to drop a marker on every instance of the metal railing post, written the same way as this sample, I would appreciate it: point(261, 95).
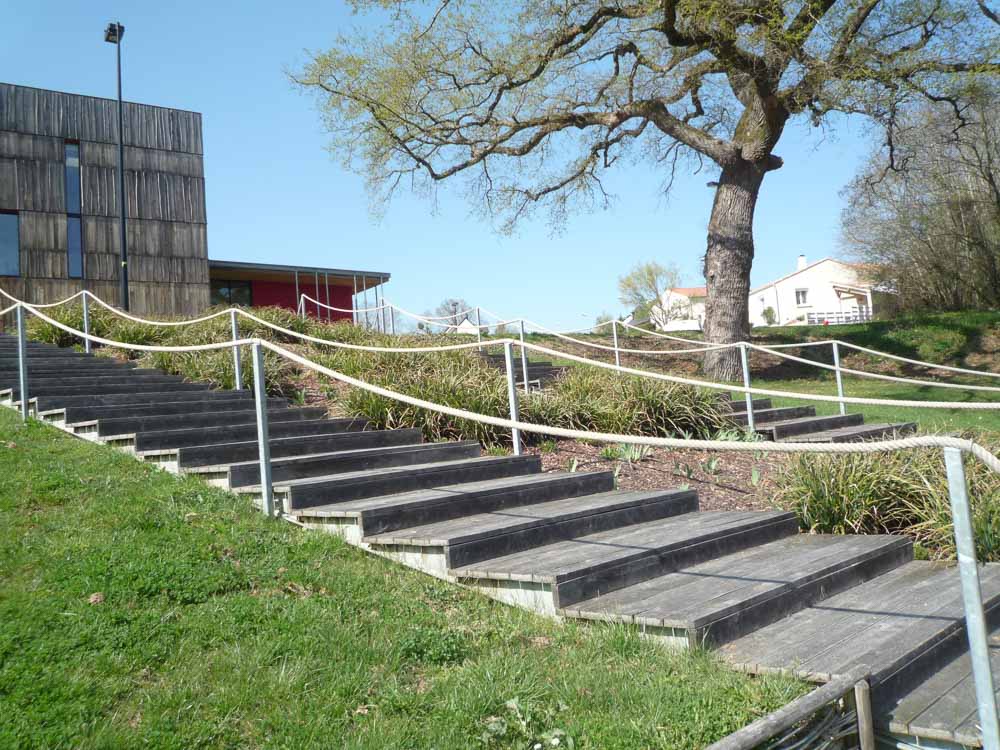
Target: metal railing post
point(392, 319)
point(614, 336)
point(745, 359)
point(479, 323)
point(524, 359)
point(840, 379)
point(515, 434)
point(975, 620)
point(22, 363)
point(263, 441)
point(237, 368)
point(86, 323)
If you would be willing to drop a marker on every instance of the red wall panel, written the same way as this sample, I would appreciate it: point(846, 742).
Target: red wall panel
point(282, 294)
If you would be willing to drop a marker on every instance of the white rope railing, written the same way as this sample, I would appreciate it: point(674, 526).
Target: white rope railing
point(840, 398)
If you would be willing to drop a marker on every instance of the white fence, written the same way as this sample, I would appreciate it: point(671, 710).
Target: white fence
point(861, 315)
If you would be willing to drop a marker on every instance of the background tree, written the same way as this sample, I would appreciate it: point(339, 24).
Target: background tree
point(532, 100)
point(931, 232)
point(451, 312)
point(642, 289)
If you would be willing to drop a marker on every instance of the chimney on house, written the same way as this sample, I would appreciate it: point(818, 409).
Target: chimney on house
point(800, 263)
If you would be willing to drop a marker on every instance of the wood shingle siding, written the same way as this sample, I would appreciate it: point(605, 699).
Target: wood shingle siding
point(165, 199)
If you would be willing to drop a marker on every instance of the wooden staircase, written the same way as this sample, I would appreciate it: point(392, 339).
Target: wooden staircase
point(563, 544)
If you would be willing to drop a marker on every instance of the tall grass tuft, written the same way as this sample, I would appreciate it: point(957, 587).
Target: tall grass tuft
point(903, 492)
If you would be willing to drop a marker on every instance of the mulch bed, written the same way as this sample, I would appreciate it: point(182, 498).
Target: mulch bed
point(724, 480)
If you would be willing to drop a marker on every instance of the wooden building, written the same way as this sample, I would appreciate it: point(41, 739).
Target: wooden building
point(59, 211)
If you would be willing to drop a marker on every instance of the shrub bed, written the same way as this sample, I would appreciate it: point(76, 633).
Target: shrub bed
point(583, 398)
point(904, 492)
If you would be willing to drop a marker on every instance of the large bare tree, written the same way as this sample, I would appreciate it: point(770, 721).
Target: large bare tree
point(533, 100)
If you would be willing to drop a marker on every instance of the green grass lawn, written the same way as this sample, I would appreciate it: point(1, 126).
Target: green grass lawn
point(929, 420)
point(137, 609)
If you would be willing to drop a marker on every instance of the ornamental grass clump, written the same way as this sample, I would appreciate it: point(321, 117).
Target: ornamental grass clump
point(902, 492)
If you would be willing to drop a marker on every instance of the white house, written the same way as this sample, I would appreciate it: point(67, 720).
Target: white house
point(680, 309)
point(827, 291)
point(466, 327)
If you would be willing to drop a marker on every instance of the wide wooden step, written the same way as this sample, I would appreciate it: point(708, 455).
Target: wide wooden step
point(374, 515)
point(568, 572)
point(729, 596)
point(894, 625)
point(463, 541)
point(305, 493)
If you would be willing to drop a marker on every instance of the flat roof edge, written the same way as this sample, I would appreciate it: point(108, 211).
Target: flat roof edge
point(244, 266)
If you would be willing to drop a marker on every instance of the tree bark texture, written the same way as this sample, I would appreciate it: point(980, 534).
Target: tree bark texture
point(727, 266)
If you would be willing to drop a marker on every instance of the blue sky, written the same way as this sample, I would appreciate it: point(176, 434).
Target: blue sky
point(275, 194)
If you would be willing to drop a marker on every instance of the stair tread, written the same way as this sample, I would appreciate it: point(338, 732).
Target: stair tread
point(943, 706)
point(566, 559)
point(320, 456)
point(353, 508)
point(876, 624)
point(693, 596)
point(851, 431)
point(468, 528)
point(350, 476)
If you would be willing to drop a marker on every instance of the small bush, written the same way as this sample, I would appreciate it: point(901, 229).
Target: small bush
point(903, 492)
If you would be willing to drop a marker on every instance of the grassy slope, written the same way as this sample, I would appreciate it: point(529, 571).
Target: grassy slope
point(220, 629)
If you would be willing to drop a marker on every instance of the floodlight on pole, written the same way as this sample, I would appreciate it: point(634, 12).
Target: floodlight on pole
point(113, 35)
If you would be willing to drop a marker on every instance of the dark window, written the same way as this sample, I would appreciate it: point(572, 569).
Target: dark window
point(74, 240)
point(10, 246)
point(231, 293)
point(72, 152)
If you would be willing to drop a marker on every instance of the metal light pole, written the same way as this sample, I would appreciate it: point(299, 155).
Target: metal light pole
point(113, 35)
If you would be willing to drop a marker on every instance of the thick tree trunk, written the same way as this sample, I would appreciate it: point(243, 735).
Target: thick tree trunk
point(727, 266)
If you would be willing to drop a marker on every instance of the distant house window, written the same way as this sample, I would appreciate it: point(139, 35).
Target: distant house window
point(10, 246)
point(231, 293)
point(74, 245)
point(801, 297)
point(72, 152)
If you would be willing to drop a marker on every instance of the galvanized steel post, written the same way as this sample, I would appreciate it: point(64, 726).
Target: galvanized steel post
point(840, 380)
point(263, 441)
point(745, 359)
point(354, 300)
point(298, 296)
point(524, 358)
point(479, 324)
point(515, 434)
point(86, 323)
point(975, 620)
point(237, 369)
point(614, 336)
point(22, 363)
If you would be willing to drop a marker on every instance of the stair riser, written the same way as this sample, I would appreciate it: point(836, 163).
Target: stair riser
point(84, 414)
point(356, 489)
point(92, 381)
point(8, 394)
point(773, 415)
point(889, 685)
point(642, 568)
point(905, 429)
point(741, 405)
point(753, 615)
point(473, 552)
point(244, 476)
point(401, 517)
point(288, 447)
point(79, 366)
point(171, 439)
point(123, 426)
point(48, 403)
point(821, 424)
